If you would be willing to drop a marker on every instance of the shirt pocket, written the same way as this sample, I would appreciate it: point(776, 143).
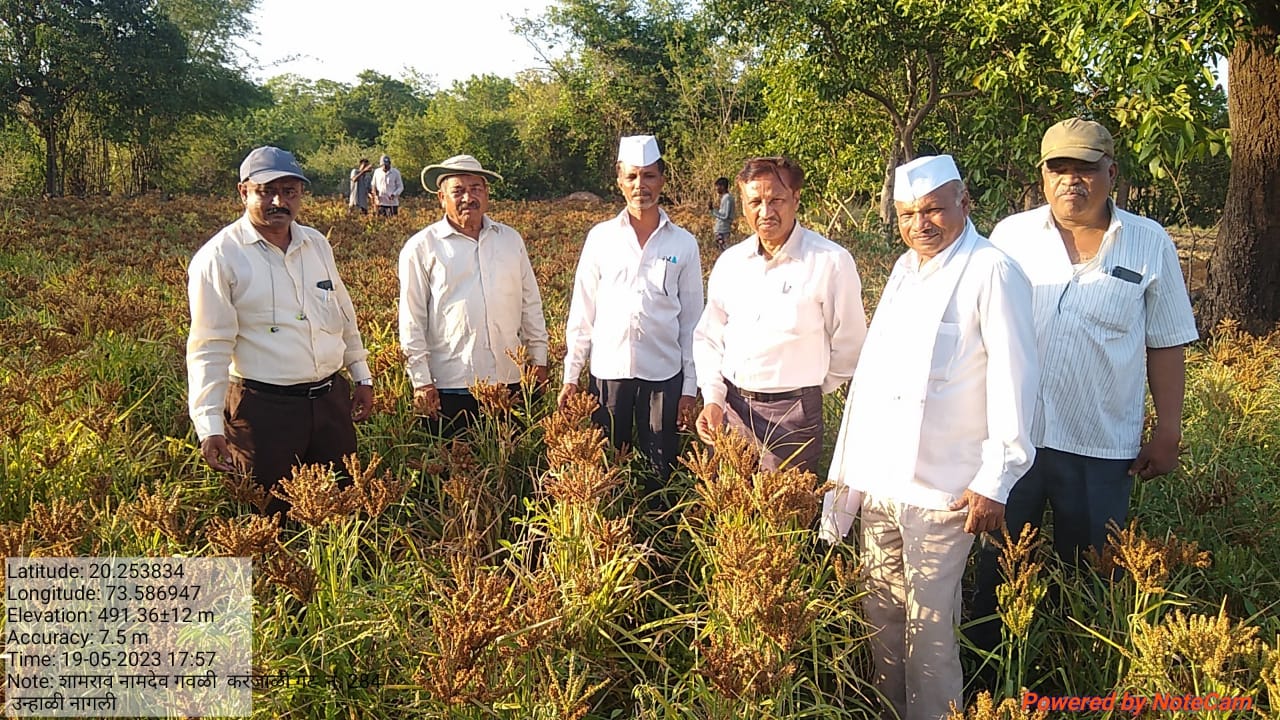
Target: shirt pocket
point(326, 311)
point(1110, 303)
point(946, 345)
point(658, 275)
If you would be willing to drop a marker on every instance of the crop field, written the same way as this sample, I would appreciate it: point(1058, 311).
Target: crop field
point(517, 574)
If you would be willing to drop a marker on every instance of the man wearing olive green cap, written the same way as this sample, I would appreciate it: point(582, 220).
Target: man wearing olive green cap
point(1112, 315)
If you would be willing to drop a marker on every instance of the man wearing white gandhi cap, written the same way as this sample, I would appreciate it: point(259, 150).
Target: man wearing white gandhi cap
point(637, 295)
point(935, 432)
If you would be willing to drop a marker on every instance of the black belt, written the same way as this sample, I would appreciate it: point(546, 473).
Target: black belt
point(767, 396)
point(311, 391)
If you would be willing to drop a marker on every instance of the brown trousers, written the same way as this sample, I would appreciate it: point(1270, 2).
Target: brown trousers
point(269, 434)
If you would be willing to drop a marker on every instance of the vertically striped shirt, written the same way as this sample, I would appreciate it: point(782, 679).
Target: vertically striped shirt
point(1094, 324)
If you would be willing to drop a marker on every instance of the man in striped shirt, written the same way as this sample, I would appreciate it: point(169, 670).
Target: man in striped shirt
point(1110, 310)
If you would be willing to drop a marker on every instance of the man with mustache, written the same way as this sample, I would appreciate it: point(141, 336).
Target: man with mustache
point(935, 432)
point(637, 295)
point(783, 324)
point(468, 300)
point(272, 326)
point(1111, 311)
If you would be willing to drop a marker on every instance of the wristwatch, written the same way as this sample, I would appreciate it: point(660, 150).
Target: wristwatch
point(367, 382)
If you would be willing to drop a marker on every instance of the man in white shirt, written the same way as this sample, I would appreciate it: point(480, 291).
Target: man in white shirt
point(935, 432)
point(637, 295)
point(1112, 314)
point(783, 324)
point(468, 299)
point(271, 327)
point(387, 187)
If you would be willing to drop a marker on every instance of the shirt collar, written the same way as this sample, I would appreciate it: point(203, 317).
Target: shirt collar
point(623, 219)
point(447, 228)
point(939, 261)
point(792, 248)
point(1115, 224)
point(249, 234)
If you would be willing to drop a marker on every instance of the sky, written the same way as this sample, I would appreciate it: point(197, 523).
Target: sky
point(446, 39)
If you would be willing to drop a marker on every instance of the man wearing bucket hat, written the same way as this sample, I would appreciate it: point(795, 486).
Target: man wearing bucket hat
point(1110, 310)
point(782, 327)
point(935, 432)
point(637, 295)
point(387, 187)
point(272, 326)
point(468, 299)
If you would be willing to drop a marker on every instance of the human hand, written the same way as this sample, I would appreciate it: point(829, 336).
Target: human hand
point(1159, 455)
point(709, 420)
point(686, 413)
point(566, 391)
point(426, 401)
point(215, 453)
point(361, 402)
point(540, 375)
point(985, 514)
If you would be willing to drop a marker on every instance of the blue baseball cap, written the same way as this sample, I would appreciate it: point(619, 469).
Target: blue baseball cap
point(268, 163)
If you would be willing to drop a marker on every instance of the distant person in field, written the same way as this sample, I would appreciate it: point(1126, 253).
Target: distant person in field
point(637, 295)
point(387, 187)
point(468, 300)
point(935, 433)
point(361, 184)
point(1112, 315)
point(272, 329)
point(783, 324)
point(723, 210)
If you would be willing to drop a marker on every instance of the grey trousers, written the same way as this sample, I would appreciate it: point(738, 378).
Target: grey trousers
point(788, 430)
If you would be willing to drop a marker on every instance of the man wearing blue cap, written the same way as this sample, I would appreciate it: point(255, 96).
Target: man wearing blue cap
point(272, 327)
point(637, 295)
point(935, 432)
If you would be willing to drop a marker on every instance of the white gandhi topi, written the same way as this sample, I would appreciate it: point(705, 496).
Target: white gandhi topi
point(638, 150)
point(914, 180)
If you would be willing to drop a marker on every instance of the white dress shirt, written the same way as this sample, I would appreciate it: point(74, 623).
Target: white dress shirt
point(942, 397)
point(634, 309)
point(780, 324)
point(1094, 325)
point(465, 304)
point(388, 186)
point(261, 313)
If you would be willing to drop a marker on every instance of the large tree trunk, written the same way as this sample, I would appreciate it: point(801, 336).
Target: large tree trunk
point(1244, 271)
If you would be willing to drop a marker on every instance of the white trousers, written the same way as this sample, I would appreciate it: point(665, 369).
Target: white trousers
point(914, 561)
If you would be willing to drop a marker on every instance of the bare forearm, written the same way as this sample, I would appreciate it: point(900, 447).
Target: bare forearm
point(1166, 376)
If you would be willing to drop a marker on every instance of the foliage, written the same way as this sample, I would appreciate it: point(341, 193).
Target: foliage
point(518, 574)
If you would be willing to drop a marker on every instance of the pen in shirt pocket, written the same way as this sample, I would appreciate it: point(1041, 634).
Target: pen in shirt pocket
point(327, 287)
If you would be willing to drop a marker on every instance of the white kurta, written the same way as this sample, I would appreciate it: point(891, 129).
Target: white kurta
point(942, 397)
